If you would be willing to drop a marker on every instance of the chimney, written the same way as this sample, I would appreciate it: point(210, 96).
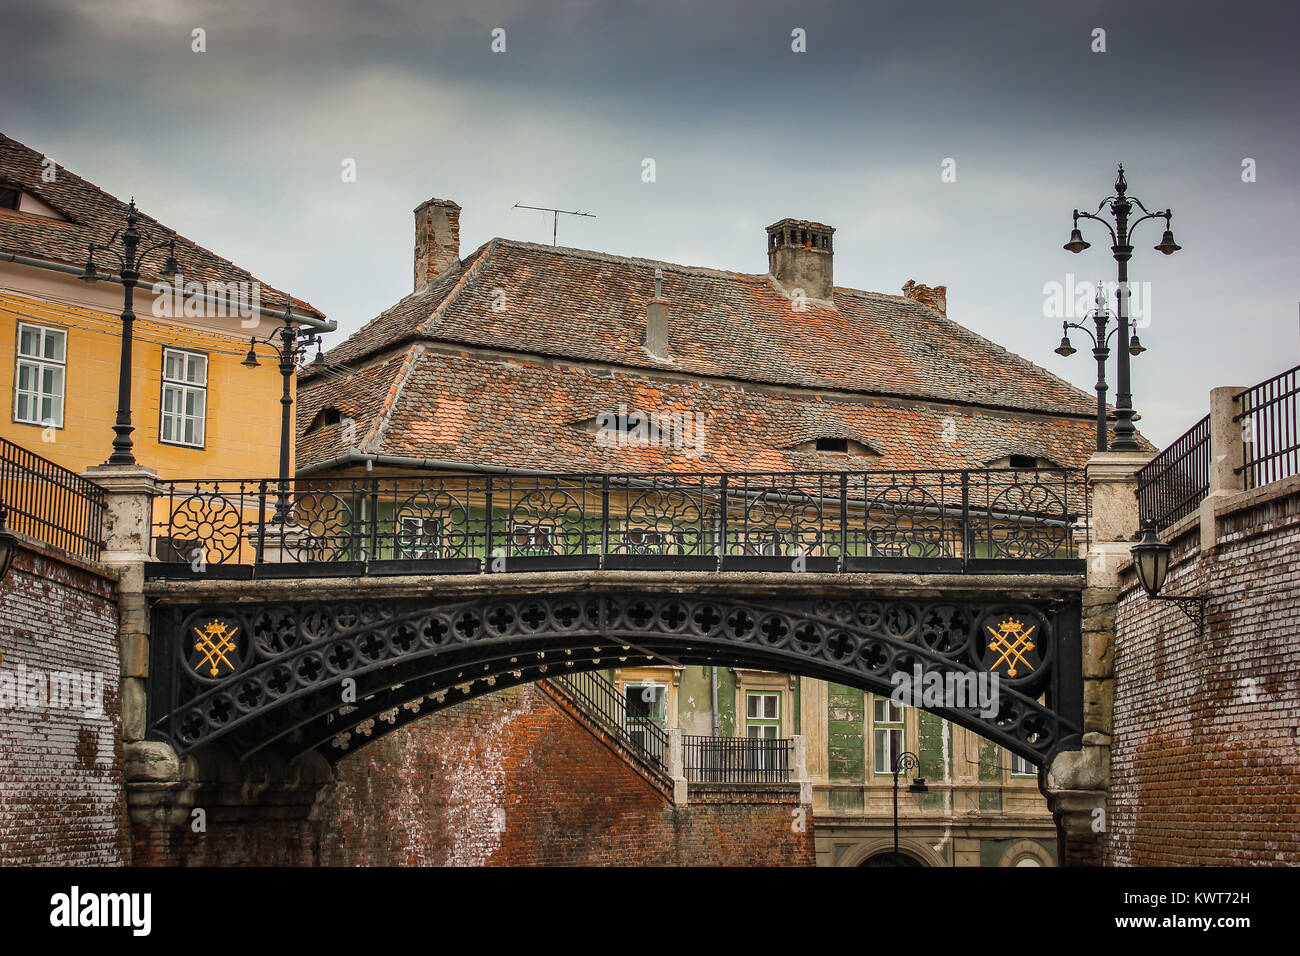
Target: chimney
point(656, 322)
point(437, 240)
point(800, 257)
point(936, 298)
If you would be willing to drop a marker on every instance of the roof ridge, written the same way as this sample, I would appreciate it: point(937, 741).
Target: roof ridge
point(376, 432)
point(479, 256)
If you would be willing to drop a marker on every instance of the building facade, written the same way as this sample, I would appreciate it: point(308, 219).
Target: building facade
point(531, 360)
point(196, 410)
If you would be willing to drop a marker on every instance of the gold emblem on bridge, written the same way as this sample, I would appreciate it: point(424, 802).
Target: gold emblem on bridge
point(215, 641)
point(1011, 642)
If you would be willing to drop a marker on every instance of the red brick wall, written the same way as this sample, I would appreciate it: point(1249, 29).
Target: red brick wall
point(512, 779)
point(509, 779)
point(1205, 760)
point(61, 787)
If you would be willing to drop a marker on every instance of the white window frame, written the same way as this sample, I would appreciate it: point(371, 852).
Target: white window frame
point(532, 538)
point(40, 364)
point(182, 387)
point(418, 536)
point(888, 733)
point(760, 719)
point(1020, 767)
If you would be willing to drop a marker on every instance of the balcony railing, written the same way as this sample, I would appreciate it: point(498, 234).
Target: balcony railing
point(48, 502)
point(1269, 418)
point(736, 759)
point(1175, 482)
point(986, 520)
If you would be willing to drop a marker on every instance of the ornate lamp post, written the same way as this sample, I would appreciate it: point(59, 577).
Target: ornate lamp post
point(1121, 207)
point(293, 344)
point(905, 761)
point(1100, 351)
point(129, 270)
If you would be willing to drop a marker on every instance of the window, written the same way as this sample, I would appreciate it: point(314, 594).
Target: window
point(184, 398)
point(762, 715)
point(762, 723)
point(8, 198)
point(887, 733)
point(326, 416)
point(419, 536)
point(647, 705)
point(1021, 767)
point(641, 541)
point(531, 539)
point(1024, 461)
point(39, 374)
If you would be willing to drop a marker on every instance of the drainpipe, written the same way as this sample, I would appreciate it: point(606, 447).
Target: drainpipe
point(320, 325)
point(717, 717)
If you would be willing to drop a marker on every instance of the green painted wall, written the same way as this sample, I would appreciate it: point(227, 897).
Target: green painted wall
point(934, 734)
point(727, 701)
point(845, 715)
point(695, 702)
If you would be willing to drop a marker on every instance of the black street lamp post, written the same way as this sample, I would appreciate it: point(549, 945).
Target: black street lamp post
point(1100, 351)
point(905, 761)
point(293, 345)
point(1121, 207)
point(129, 270)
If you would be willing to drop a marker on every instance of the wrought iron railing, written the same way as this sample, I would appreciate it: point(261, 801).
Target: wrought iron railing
point(1175, 482)
point(599, 699)
point(736, 759)
point(1269, 418)
point(816, 521)
point(48, 502)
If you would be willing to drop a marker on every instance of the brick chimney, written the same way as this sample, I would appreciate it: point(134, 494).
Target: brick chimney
point(437, 240)
point(936, 298)
point(800, 255)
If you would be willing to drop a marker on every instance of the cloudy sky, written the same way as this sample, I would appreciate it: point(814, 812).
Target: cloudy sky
point(242, 146)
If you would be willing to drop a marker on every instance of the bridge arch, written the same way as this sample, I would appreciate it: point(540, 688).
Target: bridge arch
point(330, 674)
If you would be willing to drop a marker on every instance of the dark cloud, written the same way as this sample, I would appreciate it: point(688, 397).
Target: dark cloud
point(241, 146)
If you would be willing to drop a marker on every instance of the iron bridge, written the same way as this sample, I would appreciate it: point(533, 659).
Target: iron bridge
point(333, 675)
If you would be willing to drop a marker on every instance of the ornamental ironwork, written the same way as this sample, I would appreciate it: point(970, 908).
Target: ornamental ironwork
point(332, 675)
point(956, 521)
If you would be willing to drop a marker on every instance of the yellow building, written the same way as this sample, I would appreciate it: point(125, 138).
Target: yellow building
point(197, 412)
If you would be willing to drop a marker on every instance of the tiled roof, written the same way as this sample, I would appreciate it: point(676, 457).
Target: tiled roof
point(93, 216)
point(587, 306)
point(455, 407)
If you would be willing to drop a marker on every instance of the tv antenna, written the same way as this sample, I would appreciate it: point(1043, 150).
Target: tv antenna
point(555, 219)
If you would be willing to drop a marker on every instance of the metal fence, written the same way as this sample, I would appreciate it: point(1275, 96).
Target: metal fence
point(816, 521)
point(48, 502)
point(736, 759)
point(1269, 431)
point(1173, 484)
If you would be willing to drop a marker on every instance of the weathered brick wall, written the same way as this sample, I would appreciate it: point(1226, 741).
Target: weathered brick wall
point(61, 786)
point(1206, 753)
point(510, 779)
